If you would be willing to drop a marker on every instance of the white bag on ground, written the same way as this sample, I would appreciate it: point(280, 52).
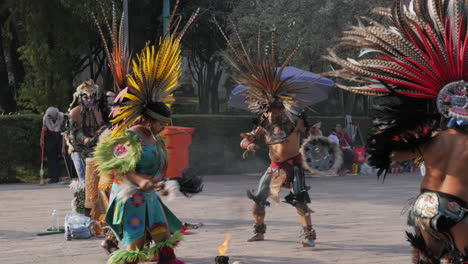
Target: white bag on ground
point(77, 225)
point(366, 169)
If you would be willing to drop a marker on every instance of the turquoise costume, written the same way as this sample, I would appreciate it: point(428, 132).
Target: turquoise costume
point(145, 93)
point(132, 213)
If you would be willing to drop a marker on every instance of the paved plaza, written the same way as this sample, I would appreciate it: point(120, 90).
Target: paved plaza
point(358, 220)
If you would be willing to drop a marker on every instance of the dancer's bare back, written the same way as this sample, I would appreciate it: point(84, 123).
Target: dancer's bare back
point(446, 161)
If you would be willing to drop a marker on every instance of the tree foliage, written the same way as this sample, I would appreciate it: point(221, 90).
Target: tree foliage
point(50, 46)
point(312, 24)
point(59, 41)
point(204, 44)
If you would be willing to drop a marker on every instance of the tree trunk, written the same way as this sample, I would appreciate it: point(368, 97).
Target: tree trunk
point(350, 102)
point(91, 63)
point(17, 67)
point(203, 90)
point(108, 79)
point(216, 77)
point(7, 98)
point(342, 102)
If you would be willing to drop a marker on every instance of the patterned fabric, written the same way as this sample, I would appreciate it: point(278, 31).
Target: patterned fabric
point(436, 213)
point(143, 210)
point(444, 210)
point(79, 165)
point(288, 175)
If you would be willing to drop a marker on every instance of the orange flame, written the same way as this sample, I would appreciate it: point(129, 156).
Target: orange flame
point(222, 250)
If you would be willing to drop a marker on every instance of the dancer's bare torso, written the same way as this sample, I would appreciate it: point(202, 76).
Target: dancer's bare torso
point(446, 162)
point(286, 150)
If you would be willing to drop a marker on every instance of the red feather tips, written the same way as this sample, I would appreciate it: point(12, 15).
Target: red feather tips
point(420, 50)
point(416, 133)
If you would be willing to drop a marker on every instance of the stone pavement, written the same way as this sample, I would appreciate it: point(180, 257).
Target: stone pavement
point(358, 220)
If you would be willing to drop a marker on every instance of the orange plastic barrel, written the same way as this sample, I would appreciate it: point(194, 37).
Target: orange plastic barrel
point(178, 141)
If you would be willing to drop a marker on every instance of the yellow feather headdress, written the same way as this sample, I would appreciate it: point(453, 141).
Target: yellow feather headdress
point(155, 76)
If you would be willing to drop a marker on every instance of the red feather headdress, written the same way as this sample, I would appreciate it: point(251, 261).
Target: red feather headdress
point(422, 50)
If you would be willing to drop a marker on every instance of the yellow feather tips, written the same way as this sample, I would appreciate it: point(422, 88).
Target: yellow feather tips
point(155, 77)
point(169, 62)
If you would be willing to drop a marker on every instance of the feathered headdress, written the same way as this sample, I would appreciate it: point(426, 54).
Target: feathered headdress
point(118, 54)
point(417, 59)
point(422, 50)
point(155, 75)
point(261, 75)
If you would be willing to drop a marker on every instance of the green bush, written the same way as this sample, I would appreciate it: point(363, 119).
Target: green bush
point(21, 153)
point(215, 146)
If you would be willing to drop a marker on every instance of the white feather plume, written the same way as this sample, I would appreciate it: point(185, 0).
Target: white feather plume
point(172, 187)
point(76, 185)
point(126, 191)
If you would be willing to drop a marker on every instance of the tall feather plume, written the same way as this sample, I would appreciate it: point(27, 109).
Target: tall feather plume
point(261, 74)
point(171, 19)
point(273, 42)
point(407, 60)
point(259, 46)
point(118, 53)
point(421, 49)
point(156, 71)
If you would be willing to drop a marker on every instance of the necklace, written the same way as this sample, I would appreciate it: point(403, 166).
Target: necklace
point(153, 136)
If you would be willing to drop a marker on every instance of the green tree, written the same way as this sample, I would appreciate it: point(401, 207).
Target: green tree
point(9, 59)
point(203, 44)
point(312, 24)
point(59, 42)
point(7, 101)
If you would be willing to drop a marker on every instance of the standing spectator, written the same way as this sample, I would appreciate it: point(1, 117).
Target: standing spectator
point(51, 140)
point(346, 146)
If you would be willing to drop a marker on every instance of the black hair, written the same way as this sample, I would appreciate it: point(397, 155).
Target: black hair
point(160, 109)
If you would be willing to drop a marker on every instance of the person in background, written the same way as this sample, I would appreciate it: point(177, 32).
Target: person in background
point(345, 142)
point(333, 137)
point(51, 140)
point(315, 129)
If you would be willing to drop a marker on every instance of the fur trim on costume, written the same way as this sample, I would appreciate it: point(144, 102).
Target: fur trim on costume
point(78, 202)
point(256, 199)
point(333, 148)
point(172, 187)
point(126, 191)
point(190, 183)
point(399, 124)
point(260, 228)
point(171, 242)
point(119, 155)
point(425, 255)
point(125, 256)
point(187, 185)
